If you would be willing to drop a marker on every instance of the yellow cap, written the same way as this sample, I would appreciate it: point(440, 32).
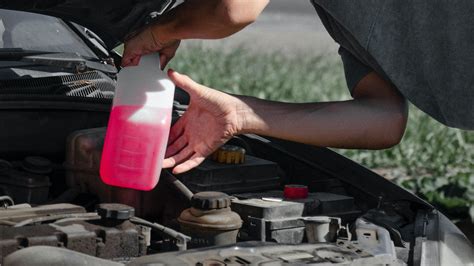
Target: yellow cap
point(229, 154)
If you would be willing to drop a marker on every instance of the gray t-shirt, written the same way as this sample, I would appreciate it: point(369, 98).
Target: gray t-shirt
point(424, 48)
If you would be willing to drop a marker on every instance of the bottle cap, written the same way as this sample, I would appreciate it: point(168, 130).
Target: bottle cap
point(210, 200)
point(115, 211)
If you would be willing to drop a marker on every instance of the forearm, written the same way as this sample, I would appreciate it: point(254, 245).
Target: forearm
point(361, 123)
point(210, 19)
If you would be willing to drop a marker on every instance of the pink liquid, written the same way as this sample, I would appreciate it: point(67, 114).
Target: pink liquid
point(134, 150)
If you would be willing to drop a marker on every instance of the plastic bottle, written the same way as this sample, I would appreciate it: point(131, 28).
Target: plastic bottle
point(139, 125)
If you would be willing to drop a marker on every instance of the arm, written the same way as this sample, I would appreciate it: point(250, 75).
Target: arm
point(210, 19)
point(374, 119)
point(193, 19)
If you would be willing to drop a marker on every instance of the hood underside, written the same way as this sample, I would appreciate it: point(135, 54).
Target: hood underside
point(113, 21)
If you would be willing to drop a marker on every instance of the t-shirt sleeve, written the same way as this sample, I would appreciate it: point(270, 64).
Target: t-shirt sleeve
point(354, 70)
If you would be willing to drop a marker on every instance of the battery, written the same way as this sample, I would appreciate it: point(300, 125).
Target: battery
point(319, 203)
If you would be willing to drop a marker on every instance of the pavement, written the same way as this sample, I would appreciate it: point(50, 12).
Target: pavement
point(286, 26)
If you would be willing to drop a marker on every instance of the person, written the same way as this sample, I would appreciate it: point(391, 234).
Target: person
point(391, 51)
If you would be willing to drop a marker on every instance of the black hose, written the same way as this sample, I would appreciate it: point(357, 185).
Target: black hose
point(178, 185)
point(67, 196)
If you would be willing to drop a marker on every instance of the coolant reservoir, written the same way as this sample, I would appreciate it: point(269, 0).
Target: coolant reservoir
point(139, 125)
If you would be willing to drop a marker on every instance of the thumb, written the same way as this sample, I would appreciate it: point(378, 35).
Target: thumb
point(184, 82)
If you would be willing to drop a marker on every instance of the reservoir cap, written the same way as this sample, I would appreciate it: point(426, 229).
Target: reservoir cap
point(229, 154)
point(210, 200)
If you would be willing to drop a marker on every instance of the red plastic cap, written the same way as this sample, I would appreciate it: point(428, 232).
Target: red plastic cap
point(295, 192)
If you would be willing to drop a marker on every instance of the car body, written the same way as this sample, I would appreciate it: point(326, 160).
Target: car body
point(57, 80)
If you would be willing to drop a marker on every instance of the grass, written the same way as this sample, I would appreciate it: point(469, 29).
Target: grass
point(432, 160)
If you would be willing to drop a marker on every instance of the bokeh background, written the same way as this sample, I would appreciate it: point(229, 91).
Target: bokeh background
point(287, 55)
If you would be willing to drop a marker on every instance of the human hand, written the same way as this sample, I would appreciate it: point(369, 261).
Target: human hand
point(211, 119)
point(149, 41)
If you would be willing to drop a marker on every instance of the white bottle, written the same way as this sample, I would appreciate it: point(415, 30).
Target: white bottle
point(139, 125)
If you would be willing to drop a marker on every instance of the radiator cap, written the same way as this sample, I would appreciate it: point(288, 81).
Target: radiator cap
point(115, 211)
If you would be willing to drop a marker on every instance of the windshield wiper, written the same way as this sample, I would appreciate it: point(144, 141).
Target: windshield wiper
point(70, 61)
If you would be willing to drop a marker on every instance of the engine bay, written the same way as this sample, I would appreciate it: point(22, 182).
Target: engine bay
point(322, 225)
point(232, 209)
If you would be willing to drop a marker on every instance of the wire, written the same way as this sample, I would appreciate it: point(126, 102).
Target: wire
point(178, 185)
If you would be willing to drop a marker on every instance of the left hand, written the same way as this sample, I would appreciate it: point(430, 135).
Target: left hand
point(149, 41)
point(211, 119)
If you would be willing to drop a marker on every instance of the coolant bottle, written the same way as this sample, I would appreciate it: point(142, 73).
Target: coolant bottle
point(139, 124)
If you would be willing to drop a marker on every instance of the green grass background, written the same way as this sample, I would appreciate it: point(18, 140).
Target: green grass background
point(432, 160)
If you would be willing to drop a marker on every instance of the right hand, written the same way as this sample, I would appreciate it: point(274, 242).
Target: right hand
point(146, 42)
point(212, 118)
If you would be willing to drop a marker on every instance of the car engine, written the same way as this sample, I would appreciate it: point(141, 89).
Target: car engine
point(254, 201)
point(233, 199)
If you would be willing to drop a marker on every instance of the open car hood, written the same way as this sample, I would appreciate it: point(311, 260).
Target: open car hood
point(113, 20)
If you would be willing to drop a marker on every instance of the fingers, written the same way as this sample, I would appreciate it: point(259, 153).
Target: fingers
point(184, 82)
point(183, 155)
point(131, 52)
point(135, 61)
point(145, 43)
point(174, 148)
point(194, 161)
point(177, 130)
point(130, 58)
point(126, 56)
